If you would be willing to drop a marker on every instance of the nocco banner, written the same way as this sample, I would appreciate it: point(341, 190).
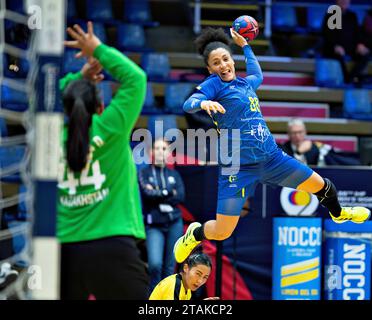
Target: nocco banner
point(296, 258)
point(347, 261)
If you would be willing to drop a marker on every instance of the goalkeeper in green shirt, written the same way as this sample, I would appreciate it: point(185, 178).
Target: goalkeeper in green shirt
point(99, 214)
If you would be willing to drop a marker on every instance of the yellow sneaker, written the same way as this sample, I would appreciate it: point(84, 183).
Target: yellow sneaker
point(184, 245)
point(354, 214)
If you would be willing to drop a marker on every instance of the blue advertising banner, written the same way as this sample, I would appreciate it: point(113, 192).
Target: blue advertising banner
point(347, 261)
point(296, 258)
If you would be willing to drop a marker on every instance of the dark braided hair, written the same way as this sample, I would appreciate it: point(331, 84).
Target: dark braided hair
point(81, 100)
point(211, 39)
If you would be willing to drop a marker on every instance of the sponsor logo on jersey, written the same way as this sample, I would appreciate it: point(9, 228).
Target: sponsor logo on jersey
point(232, 178)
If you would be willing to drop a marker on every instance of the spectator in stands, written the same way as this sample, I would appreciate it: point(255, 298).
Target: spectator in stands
point(345, 43)
point(194, 274)
point(99, 211)
point(233, 104)
point(314, 153)
point(162, 189)
point(301, 148)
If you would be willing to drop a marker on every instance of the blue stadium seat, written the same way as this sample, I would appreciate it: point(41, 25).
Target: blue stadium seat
point(19, 238)
point(10, 94)
point(105, 88)
point(284, 18)
point(315, 16)
point(3, 128)
point(149, 106)
point(159, 124)
point(24, 67)
point(22, 208)
point(131, 37)
point(16, 34)
point(328, 73)
point(9, 157)
point(138, 12)
point(100, 31)
point(357, 104)
point(175, 96)
point(156, 65)
point(98, 10)
point(71, 64)
point(13, 99)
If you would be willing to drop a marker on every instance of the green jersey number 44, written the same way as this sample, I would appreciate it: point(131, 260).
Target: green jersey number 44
point(72, 183)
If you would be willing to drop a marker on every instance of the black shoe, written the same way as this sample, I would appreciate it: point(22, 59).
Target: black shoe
point(7, 275)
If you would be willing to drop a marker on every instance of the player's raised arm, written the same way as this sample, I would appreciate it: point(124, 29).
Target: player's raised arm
point(254, 72)
point(128, 100)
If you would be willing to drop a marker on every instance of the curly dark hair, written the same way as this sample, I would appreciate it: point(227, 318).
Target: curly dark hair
point(211, 39)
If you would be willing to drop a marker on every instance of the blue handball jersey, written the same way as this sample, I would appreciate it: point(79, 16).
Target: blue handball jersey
point(251, 139)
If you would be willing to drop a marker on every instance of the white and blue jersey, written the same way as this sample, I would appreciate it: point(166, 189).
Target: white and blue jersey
point(260, 159)
point(241, 103)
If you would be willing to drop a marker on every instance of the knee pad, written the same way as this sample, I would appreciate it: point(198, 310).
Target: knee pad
point(329, 191)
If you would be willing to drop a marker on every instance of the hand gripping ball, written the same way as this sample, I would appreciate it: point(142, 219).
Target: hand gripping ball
point(246, 26)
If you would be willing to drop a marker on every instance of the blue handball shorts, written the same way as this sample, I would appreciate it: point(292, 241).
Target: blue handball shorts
point(280, 169)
